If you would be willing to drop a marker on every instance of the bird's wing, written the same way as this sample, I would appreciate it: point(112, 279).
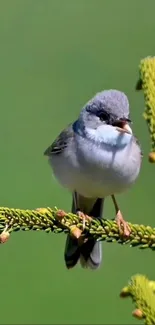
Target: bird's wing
point(138, 143)
point(61, 142)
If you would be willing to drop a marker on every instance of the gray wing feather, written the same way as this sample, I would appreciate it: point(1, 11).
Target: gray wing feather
point(60, 144)
point(138, 143)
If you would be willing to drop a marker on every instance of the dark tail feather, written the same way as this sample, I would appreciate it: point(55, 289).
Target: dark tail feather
point(90, 253)
point(72, 249)
point(72, 252)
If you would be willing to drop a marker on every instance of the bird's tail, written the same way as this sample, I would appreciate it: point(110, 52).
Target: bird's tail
point(90, 252)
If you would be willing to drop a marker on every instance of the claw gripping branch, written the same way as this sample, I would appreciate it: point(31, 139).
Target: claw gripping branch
point(146, 82)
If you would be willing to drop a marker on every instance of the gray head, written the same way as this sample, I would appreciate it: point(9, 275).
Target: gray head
point(107, 107)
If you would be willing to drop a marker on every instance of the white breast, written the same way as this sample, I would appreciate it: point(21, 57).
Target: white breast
point(97, 170)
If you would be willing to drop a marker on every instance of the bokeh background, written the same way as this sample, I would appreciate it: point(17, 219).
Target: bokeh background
point(54, 56)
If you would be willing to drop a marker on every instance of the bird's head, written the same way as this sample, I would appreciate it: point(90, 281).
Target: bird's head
point(109, 107)
point(106, 118)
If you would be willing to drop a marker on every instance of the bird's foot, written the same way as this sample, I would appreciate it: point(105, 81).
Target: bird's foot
point(84, 217)
point(123, 226)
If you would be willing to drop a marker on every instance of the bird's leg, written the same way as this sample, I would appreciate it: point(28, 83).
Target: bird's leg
point(81, 214)
point(122, 224)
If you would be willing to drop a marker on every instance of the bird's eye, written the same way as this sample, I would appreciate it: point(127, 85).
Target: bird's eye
point(103, 116)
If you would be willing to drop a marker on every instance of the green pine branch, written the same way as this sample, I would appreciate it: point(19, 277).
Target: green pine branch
point(142, 292)
point(146, 83)
point(58, 221)
point(140, 289)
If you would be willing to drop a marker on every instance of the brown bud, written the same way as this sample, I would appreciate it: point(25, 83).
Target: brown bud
point(137, 313)
point(152, 157)
point(75, 232)
point(61, 213)
point(4, 236)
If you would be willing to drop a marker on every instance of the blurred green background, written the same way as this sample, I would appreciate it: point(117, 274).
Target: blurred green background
point(54, 56)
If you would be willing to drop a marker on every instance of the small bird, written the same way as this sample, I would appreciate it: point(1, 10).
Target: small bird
point(95, 157)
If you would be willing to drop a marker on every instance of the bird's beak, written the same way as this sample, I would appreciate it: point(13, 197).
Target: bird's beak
point(122, 125)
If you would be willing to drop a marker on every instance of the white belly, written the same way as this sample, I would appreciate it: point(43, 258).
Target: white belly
point(97, 172)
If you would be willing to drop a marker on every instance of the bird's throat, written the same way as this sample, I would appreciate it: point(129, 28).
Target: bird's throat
point(109, 136)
